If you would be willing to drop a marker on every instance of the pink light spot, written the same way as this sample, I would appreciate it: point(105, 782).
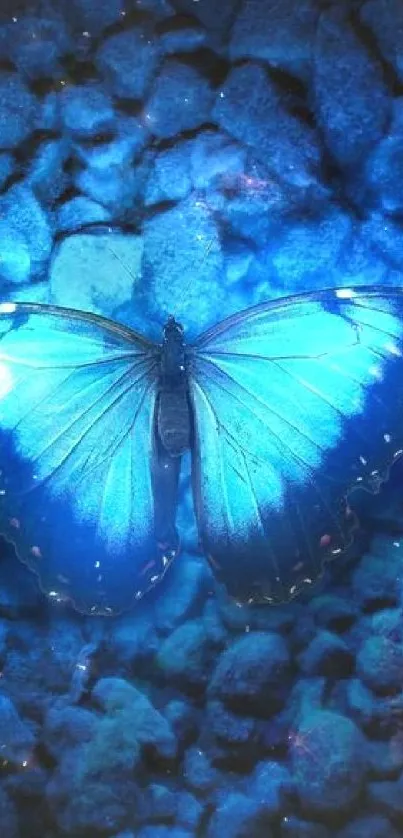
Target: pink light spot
point(14, 522)
point(325, 540)
point(148, 566)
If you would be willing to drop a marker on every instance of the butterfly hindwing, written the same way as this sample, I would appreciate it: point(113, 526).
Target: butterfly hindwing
point(77, 455)
point(295, 403)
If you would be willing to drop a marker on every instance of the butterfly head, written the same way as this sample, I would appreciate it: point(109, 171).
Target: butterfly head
point(173, 331)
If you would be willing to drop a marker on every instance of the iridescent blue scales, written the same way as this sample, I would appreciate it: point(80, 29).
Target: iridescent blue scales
point(292, 404)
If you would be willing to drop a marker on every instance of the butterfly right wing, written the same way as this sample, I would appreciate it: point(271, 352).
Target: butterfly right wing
point(78, 462)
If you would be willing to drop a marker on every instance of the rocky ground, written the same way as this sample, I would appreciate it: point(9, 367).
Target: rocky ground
point(199, 156)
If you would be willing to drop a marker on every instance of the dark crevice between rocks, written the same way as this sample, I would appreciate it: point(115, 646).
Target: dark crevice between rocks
point(79, 72)
point(370, 42)
point(211, 66)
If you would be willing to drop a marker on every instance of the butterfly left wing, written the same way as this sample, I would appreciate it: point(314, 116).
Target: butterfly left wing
point(296, 402)
point(78, 465)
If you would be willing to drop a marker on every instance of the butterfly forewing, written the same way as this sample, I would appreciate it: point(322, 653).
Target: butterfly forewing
point(77, 455)
point(295, 403)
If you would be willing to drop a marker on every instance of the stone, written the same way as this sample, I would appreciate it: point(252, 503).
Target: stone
point(249, 107)
point(110, 263)
point(251, 675)
point(385, 18)
point(20, 209)
point(351, 98)
point(128, 60)
point(282, 34)
point(181, 100)
point(86, 110)
point(380, 663)
point(17, 110)
point(329, 762)
point(186, 657)
point(328, 655)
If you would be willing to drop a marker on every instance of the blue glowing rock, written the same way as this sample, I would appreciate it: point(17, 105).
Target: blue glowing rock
point(79, 211)
point(252, 675)
point(380, 664)
point(86, 109)
point(169, 178)
point(182, 265)
point(198, 772)
point(46, 175)
point(127, 140)
point(306, 250)
point(216, 160)
point(329, 762)
point(132, 639)
point(139, 720)
point(95, 17)
point(183, 35)
point(377, 576)
point(183, 719)
point(186, 656)
point(385, 18)
point(181, 100)
point(239, 816)
point(271, 784)
point(66, 726)
point(17, 110)
point(185, 589)
point(20, 208)
point(351, 98)
point(283, 34)
point(189, 810)
point(110, 263)
point(127, 61)
point(36, 44)
point(327, 654)
point(15, 265)
point(333, 611)
point(249, 108)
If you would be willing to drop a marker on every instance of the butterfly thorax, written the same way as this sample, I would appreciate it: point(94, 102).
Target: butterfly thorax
point(173, 413)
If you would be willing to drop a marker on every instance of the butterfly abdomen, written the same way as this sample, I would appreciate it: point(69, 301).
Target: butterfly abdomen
point(173, 412)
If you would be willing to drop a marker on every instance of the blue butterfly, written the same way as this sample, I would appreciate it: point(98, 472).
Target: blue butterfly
point(286, 408)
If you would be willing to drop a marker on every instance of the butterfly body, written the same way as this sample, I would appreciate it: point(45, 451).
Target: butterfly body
point(174, 420)
point(286, 407)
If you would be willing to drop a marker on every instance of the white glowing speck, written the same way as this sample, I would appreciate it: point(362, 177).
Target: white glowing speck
point(165, 561)
point(363, 460)
point(53, 593)
point(81, 666)
point(247, 629)
point(100, 578)
point(387, 437)
point(138, 595)
point(345, 293)
point(14, 19)
point(7, 308)
point(222, 95)
point(97, 564)
point(396, 543)
point(24, 763)
point(154, 579)
point(86, 34)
